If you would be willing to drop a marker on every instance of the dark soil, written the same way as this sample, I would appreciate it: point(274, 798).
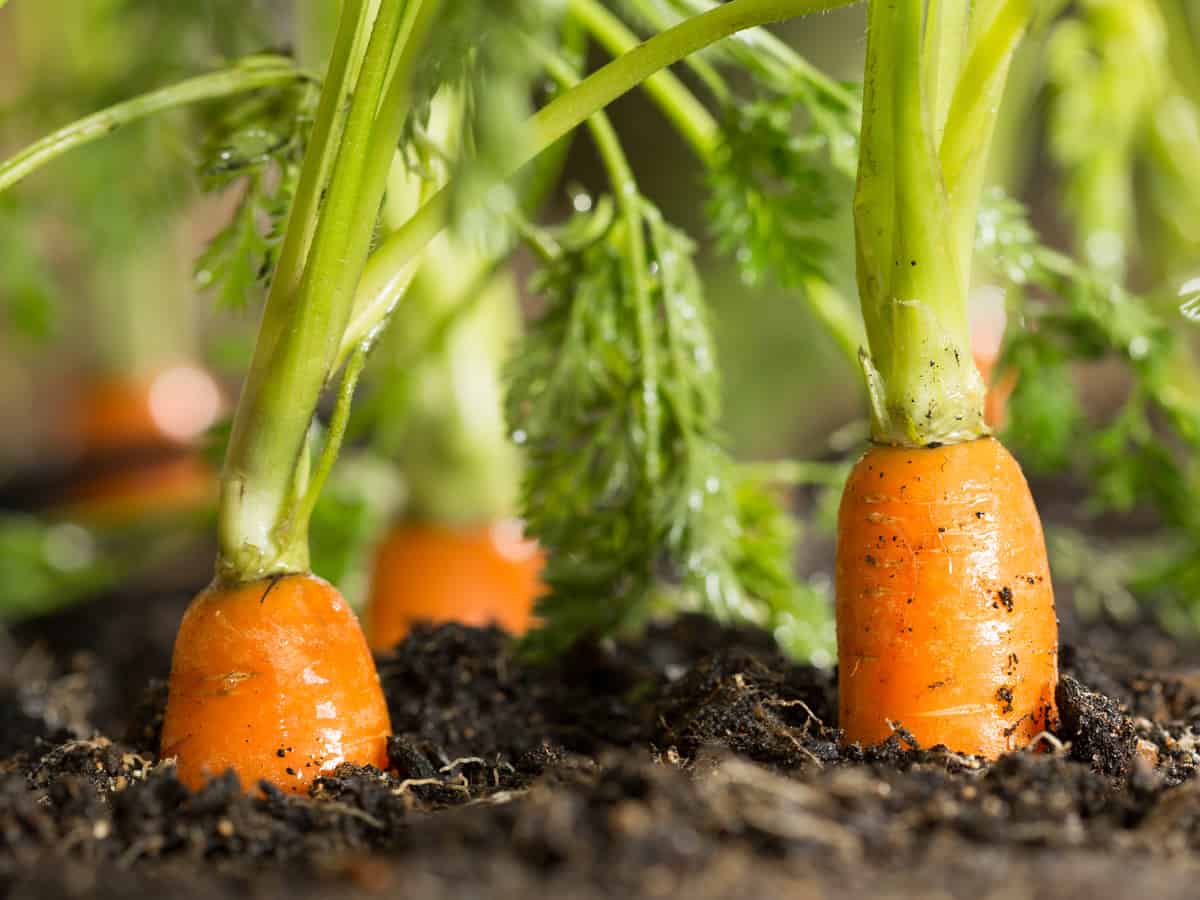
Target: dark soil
point(694, 763)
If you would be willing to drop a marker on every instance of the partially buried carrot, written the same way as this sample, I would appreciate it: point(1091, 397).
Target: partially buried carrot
point(274, 680)
point(946, 622)
point(945, 612)
point(477, 575)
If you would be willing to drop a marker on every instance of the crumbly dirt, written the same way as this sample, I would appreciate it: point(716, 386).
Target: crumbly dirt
point(695, 762)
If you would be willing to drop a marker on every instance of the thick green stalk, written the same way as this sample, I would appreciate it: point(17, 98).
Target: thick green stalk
point(923, 382)
point(391, 267)
point(348, 50)
point(945, 45)
point(247, 75)
point(262, 522)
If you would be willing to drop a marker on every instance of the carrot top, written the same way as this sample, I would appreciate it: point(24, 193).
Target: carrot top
point(935, 74)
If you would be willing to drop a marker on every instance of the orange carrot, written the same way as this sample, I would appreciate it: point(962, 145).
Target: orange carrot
point(479, 575)
point(137, 437)
point(172, 407)
point(272, 679)
point(945, 611)
point(946, 621)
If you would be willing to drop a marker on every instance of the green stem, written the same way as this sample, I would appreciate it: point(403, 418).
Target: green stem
point(390, 267)
point(686, 113)
point(262, 527)
point(337, 432)
point(971, 123)
point(654, 15)
point(761, 50)
point(1183, 47)
point(250, 74)
point(923, 382)
point(945, 43)
point(348, 49)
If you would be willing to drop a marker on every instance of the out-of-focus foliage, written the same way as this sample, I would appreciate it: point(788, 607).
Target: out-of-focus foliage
point(260, 143)
point(1125, 132)
point(356, 506)
point(52, 563)
point(74, 57)
point(29, 284)
point(483, 52)
point(1145, 454)
point(47, 566)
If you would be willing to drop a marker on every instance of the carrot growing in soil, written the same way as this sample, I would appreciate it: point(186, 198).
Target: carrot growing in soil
point(457, 553)
point(945, 611)
point(271, 675)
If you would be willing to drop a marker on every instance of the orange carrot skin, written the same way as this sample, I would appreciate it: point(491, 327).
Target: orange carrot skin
point(945, 610)
point(478, 575)
point(274, 680)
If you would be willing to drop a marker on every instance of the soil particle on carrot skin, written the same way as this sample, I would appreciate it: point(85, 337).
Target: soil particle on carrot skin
point(1005, 696)
point(1006, 597)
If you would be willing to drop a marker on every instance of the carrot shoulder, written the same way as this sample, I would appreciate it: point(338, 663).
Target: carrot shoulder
point(272, 679)
point(946, 619)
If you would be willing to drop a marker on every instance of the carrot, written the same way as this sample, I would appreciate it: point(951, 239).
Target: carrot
point(945, 611)
point(274, 680)
point(479, 575)
point(271, 675)
point(171, 407)
point(137, 436)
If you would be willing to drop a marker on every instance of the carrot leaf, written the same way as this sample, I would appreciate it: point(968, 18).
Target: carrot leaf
point(627, 539)
point(257, 145)
point(778, 183)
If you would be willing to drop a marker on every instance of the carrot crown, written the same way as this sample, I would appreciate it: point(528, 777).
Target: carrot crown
point(934, 78)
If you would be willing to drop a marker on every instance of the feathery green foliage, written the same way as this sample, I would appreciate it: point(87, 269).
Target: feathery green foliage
point(627, 537)
point(780, 175)
point(786, 153)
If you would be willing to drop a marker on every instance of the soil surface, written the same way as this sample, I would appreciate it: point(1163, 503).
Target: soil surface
point(695, 762)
